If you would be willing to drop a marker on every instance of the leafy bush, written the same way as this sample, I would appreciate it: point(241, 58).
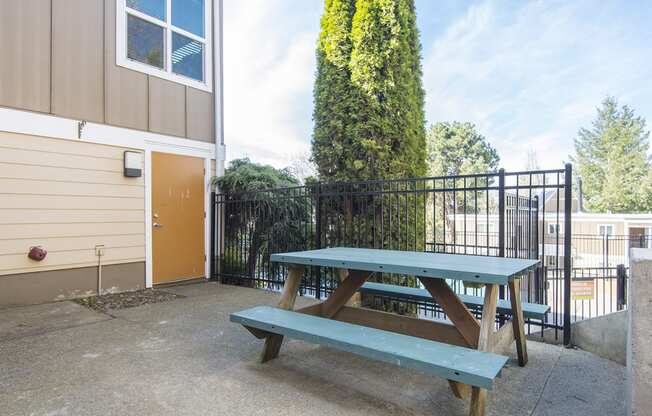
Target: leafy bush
point(254, 213)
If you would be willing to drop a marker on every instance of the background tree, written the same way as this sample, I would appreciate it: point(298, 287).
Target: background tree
point(612, 159)
point(369, 117)
point(256, 217)
point(456, 148)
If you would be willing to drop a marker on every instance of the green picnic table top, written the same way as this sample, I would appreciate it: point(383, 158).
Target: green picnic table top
point(481, 269)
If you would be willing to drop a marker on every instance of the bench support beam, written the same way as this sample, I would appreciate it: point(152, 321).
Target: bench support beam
point(344, 292)
point(311, 310)
point(454, 308)
point(420, 328)
point(485, 343)
point(504, 338)
point(518, 322)
point(288, 297)
point(258, 333)
point(460, 390)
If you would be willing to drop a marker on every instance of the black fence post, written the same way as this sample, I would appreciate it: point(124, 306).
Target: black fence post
point(621, 287)
point(534, 253)
point(501, 222)
point(568, 195)
point(212, 222)
point(318, 237)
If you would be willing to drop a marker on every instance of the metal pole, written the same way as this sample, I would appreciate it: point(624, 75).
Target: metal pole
point(212, 221)
point(621, 285)
point(534, 242)
point(318, 237)
point(501, 213)
point(501, 222)
point(568, 195)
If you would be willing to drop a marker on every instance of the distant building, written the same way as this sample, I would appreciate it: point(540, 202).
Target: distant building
point(599, 240)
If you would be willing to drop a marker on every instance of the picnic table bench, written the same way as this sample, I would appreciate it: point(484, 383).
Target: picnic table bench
point(464, 353)
point(504, 306)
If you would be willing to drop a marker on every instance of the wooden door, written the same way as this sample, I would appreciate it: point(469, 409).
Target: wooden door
point(177, 218)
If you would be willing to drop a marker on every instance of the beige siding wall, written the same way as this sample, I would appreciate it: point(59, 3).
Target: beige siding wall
point(78, 59)
point(199, 105)
point(25, 45)
point(83, 81)
point(590, 227)
point(127, 98)
point(167, 103)
point(68, 197)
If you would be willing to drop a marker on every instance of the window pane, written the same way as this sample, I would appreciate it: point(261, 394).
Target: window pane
point(145, 42)
point(154, 8)
point(189, 15)
point(187, 57)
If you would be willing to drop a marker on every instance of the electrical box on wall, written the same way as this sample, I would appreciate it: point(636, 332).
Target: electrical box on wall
point(133, 164)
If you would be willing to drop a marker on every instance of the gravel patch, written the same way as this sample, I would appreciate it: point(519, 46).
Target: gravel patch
point(115, 301)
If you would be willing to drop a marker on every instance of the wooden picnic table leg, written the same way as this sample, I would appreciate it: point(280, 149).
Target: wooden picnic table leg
point(454, 308)
point(517, 321)
point(462, 318)
point(354, 301)
point(344, 292)
point(288, 297)
point(485, 343)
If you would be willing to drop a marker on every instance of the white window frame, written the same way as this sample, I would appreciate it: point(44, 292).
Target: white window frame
point(121, 45)
point(613, 229)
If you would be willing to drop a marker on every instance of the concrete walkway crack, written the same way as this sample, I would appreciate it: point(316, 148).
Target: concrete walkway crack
point(545, 384)
point(49, 331)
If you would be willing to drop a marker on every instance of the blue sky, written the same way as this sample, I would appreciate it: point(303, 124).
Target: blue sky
point(528, 74)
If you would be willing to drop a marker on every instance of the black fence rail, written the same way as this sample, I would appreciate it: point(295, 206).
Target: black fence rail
point(492, 214)
point(599, 273)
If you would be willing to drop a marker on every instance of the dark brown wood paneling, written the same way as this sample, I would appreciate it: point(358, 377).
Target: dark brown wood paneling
point(78, 59)
point(25, 46)
point(126, 99)
point(200, 115)
point(49, 286)
point(167, 107)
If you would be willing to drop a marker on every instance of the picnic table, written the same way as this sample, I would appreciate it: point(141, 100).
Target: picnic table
point(465, 353)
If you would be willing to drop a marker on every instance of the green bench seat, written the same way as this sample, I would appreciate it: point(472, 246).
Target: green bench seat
point(530, 310)
point(451, 362)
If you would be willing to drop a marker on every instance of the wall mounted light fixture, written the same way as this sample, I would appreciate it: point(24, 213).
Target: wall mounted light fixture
point(133, 162)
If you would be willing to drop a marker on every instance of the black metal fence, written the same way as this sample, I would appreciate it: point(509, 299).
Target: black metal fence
point(492, 214)
point(599, 274)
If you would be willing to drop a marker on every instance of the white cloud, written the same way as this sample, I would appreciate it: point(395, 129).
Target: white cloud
point(269, 48)
point(530, 74)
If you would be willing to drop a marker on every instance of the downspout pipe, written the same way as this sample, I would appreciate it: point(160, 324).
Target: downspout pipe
point(218, 76)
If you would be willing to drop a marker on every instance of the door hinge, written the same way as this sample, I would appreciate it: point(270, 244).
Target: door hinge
point(204, 257)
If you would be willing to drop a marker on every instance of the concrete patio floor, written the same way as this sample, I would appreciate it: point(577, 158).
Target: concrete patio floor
point(184, 357)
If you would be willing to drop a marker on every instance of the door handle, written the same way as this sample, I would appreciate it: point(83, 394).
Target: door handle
point(157, 225)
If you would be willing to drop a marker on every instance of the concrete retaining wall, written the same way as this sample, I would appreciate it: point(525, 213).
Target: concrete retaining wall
point(605, 336)
point(639, 340)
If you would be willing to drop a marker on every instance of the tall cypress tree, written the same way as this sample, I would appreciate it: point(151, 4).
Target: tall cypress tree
point(369, 117)
point(334, 94)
